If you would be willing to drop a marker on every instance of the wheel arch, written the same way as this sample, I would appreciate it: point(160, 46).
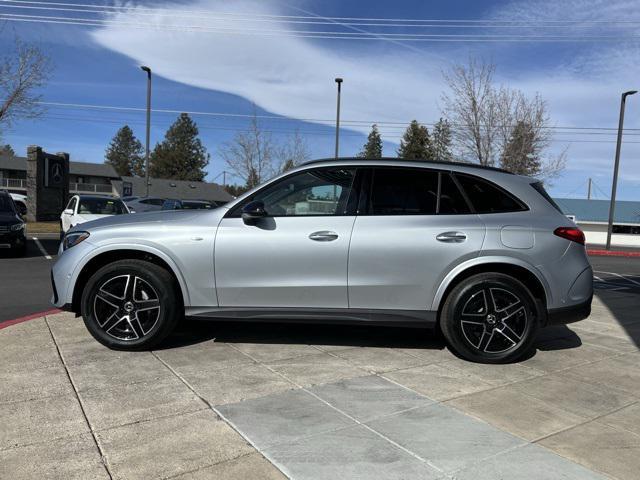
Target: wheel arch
point(513, 267)
point(105, 257)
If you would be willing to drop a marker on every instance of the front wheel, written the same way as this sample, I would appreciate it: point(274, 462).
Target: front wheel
point(490, 318)
point(131, 305)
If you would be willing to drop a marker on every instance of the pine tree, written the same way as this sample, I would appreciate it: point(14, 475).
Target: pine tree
point(373, 147)
point(442, 141)
point(7, 150)
point(125, 153)
point(416, 143)
point(520, 154)
point(181, 155)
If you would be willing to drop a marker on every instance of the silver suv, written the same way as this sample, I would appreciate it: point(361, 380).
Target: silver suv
point(481, 254)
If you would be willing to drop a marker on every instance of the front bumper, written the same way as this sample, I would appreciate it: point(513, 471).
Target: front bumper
point(12, 239)
point(64, 274)
point(570, 314)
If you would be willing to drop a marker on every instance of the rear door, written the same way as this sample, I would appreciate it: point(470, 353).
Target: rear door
point(413, 226)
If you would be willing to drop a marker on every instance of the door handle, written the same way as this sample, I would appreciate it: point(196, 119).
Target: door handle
point(451, 237)
point(323, 236)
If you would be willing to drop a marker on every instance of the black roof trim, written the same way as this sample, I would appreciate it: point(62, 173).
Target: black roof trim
point(396, 159)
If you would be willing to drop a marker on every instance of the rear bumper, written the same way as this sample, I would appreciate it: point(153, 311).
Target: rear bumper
point(573, 313)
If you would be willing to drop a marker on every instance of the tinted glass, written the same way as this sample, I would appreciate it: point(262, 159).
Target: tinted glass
point(451, 200)
point(196, 205)
point(400, 191)
point(487, 197)
point(313, 192)
point(101, 206)
point(539, 187)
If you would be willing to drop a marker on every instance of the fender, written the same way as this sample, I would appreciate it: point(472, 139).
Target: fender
point(147, 247)
point(474, 262)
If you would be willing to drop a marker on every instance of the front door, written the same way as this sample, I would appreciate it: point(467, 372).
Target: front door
point(415, 227)
point(297, 254)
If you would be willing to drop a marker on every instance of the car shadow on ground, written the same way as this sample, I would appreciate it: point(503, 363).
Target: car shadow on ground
point(192, 332)
point(625, 308)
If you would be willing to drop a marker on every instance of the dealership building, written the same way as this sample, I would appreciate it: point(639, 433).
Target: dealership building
point(101, 178)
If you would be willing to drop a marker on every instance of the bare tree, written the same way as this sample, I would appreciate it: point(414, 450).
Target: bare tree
point(498, 125)
point(292, 153)
point(251, 153)
point(22, 72)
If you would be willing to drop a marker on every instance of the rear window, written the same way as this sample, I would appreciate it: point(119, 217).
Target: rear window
point(539, 187)
point(487, 197)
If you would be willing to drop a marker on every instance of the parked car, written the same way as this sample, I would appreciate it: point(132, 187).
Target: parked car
point(12, 226)
point(172, 204)
point(481, 254)
point(85, 208)
point(198, 205)
point(145, 204)
point(20, 202)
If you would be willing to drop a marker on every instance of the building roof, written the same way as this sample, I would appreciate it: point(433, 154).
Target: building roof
point(178, 189)
point(75, 168)
point(627, 212)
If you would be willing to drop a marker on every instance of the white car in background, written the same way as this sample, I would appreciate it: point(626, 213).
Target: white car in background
point(21, 202)
point(84, 208)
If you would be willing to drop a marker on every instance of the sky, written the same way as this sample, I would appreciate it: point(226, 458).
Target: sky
point(223, 60)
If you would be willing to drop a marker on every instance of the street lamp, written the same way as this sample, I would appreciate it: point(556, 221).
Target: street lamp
point(612, 205)
point(146, 160)
point(339, 82)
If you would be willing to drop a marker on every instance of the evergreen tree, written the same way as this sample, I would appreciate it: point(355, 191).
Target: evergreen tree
point(416, 143)
point(373, 147)
point(235, 190)
point(125, 153)
point(181, 155)
point(442, 141)
point(7, 150)
point(520, 154)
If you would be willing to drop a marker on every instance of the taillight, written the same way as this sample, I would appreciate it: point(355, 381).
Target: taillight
point(570, 233)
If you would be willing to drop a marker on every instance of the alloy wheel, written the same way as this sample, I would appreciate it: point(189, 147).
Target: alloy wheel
point(494, 320)
point(126, 307)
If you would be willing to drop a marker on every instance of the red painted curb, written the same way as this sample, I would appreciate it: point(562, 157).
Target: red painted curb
point(26, 318)
point(612, 253)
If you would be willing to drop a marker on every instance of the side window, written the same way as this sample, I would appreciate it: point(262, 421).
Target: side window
point(323, 192)
point(451, 200)
point(403, 191)
point(487, 197)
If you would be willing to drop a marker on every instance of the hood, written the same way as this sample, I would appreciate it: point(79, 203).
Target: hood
point(9, 217)
point(148, 218)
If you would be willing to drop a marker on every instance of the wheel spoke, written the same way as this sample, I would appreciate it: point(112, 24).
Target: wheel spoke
point(485, 341)
point(484, 309)
point(136, 326)
point(509, 334)
point(129, 287)
point(109, 298)
point(142, 305)
point(111, 322)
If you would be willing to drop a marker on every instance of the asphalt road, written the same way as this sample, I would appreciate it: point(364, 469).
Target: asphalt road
point(25, 286)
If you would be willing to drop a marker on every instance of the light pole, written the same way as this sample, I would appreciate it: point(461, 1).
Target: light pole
point(339, 82)
point(146, 159)
point(612, 205)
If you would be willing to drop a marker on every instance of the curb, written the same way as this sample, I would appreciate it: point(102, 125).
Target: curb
point(26, 318)
point(611, 253)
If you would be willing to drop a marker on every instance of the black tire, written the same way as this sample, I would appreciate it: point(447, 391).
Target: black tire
point(491, 318)
point(135, 323)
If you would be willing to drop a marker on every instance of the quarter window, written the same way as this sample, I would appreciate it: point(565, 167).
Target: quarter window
point(487, 197)
point(313, 192)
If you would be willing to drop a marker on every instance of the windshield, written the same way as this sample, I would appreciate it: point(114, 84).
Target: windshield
point(101, 206)
point(6, 205)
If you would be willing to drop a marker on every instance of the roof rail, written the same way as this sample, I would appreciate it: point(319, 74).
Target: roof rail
point(396, 159)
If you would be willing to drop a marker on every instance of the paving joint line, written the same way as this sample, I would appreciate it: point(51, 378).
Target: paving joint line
point(358, 422)
point(218, 413)
point(102, 454)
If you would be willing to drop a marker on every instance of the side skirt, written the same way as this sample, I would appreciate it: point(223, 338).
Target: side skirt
point(352, 316)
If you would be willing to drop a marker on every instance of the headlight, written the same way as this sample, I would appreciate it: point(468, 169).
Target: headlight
point(17, 227)
point(73, 239)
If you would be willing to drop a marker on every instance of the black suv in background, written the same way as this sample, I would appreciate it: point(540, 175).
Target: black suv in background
point(12, 226)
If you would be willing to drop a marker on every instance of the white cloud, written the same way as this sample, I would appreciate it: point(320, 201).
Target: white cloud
point(293, 77)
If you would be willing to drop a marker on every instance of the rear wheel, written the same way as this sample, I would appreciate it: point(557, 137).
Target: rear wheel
point(131, 305)
point(490, 318)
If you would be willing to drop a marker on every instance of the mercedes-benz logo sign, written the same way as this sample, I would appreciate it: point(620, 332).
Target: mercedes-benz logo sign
point(56, 173)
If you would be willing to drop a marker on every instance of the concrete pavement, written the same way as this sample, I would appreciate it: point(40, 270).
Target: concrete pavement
point(305, 402)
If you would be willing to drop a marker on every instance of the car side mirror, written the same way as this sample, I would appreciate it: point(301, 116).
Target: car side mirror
point(252, 212)
point(68, 211)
